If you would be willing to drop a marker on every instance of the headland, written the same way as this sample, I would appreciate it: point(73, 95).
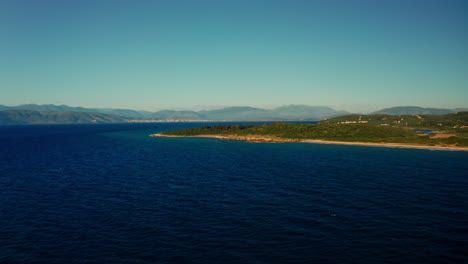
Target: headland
point(343, 134)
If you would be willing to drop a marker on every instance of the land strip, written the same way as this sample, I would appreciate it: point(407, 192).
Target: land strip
point(273, 139)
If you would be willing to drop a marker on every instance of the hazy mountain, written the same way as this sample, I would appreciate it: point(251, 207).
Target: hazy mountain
point(16, 117)
point(68, 114)
point(144, 113)
point(65, 108)
point(121, 112)
point(49, 107)
point(306, 112)
point(289, 112)
point(414, 110)
point(236, 113)
point(174, 115)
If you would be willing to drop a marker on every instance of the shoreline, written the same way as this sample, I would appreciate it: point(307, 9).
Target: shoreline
point(266, 139)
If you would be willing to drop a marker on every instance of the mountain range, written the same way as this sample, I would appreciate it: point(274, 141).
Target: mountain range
point(65, 108)
point(415, 110)
point(238, 113)
point(19, 117)
point(58, 114)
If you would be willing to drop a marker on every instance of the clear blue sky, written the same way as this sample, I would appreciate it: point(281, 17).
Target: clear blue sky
point(355, 54)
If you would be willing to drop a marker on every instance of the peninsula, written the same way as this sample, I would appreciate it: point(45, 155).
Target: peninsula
point(349, 133)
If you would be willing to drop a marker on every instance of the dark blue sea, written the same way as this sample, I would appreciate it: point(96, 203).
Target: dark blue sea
point(112, 194)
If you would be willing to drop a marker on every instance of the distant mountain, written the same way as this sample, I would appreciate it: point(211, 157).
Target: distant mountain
point(413, 110)
point(48, 107)
point(289, 112)
point(240, 113)
point(121, 112)
point(174, 115)
point(65, 108)
point(17, 117)
point(306, 112)
point(236, 113)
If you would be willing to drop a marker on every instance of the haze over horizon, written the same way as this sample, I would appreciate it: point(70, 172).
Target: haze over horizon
point(356, 55)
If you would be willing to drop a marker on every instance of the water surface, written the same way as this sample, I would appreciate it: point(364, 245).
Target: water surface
point(111, 194)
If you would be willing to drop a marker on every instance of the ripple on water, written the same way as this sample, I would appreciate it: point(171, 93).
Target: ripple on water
point(97, 194)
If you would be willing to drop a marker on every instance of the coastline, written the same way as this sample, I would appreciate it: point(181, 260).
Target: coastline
point(270, 139)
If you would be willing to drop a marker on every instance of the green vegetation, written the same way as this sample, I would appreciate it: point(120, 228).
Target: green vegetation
point(452, 121)
point(325, 131)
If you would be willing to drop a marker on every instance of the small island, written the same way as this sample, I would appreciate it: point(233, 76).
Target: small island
point(350, 132)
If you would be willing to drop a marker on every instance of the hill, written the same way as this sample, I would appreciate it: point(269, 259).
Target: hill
point(413, 110)
point(234, 113)
point(436, 122)
point(283, 113)
point(64, 108)
point(284, 132)
point(306, 112)
point(16, 117)
point(238, 113)
point(174, 115)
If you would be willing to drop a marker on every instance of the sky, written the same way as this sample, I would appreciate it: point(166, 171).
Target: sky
point(356, 55)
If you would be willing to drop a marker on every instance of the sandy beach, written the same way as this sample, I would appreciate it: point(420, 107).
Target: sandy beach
point(272, 139)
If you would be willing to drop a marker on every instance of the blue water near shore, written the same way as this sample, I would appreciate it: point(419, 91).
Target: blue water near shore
point(425, 131)
point(111, 194)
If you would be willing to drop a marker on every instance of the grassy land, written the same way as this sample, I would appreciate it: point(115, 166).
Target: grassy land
point(325, 131)
point(452, 121)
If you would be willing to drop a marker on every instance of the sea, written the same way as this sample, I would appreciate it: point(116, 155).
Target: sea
point(109, 193)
